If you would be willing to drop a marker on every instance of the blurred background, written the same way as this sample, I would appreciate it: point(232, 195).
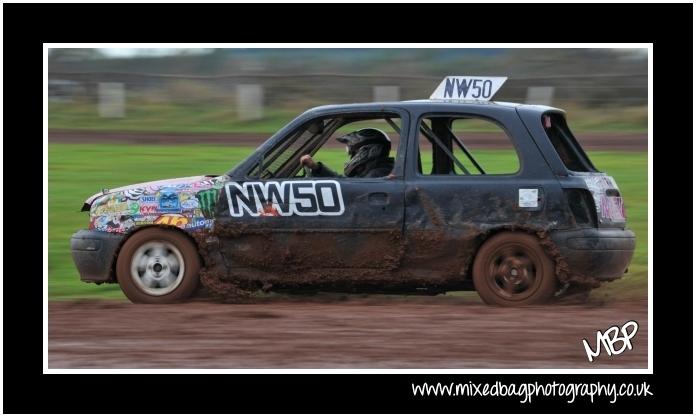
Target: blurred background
point(259, 90)
point(122, 116)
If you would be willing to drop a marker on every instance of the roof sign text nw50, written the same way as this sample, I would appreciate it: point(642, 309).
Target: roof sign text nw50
point(466, 87)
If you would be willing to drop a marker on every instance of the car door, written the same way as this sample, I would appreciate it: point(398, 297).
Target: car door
point(298, 223)
point(447, 214)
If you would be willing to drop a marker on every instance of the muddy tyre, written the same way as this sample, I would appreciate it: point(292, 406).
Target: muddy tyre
point(512, 269)
point(158, 266)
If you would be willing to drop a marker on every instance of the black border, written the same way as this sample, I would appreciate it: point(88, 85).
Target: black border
point(27, 26)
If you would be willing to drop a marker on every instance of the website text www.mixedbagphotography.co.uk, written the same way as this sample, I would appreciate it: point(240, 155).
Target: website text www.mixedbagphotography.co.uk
point(534, 389)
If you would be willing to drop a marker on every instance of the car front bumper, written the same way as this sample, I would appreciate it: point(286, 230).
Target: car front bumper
point(94, 254)
point(603, 254)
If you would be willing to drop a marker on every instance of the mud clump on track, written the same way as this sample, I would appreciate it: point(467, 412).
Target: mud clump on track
point(338, 331)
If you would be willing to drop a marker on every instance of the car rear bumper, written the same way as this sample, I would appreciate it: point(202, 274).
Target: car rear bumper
point(93, 253)
point(603, 254)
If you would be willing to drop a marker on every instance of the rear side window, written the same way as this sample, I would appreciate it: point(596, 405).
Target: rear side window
point(464, 146)
point(567, 147)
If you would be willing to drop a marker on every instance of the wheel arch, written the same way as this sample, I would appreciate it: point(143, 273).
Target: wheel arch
point(136, 230)
point(545, 284)
point(484, 236)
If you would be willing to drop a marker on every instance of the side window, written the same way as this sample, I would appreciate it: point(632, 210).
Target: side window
point(319, 139)
point(571, 153)
point(334, 154)
point(283, 158)
point(465, 146)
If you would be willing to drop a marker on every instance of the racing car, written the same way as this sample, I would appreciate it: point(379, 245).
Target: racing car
point(545, 225)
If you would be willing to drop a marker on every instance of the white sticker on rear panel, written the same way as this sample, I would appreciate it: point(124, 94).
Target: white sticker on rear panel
point(529, 197)
point(469, 87)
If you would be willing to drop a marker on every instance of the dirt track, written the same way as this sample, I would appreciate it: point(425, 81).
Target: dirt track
point(315, 332)
point(589, 141)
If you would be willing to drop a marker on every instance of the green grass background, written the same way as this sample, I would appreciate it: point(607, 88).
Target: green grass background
point(77, 171)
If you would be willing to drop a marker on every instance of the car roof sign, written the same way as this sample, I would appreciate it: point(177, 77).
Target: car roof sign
point(467, 87)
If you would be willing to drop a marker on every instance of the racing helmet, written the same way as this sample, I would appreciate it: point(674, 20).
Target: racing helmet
point(367, 136)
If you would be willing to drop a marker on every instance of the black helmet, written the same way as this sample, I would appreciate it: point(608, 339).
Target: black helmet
point(366, 148)
point(368, 136)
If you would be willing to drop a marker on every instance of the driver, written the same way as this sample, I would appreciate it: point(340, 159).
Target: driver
point(369, 156)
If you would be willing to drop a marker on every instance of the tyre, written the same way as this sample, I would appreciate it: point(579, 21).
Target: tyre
point(158, 266)
point(512, 269)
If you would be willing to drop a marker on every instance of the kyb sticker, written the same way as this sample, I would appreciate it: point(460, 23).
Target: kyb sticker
point(301, 198)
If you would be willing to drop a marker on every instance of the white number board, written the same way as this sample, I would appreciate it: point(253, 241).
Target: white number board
point(467, 87)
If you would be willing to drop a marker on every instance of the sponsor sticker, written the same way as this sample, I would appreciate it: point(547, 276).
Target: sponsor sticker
point(172, 220)
point(528, 197)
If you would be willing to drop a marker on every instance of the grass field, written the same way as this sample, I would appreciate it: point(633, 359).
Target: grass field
point(77, 171)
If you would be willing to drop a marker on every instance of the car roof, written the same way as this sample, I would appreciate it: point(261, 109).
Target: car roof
point(429, 105)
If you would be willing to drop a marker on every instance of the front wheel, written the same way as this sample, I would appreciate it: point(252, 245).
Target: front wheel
point(158, 266)
point(512, 269)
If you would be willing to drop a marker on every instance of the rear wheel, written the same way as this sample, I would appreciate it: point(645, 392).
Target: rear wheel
point(512, 269)
point(158, 266)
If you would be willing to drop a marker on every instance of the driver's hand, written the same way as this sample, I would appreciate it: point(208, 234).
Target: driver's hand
point(308, 161)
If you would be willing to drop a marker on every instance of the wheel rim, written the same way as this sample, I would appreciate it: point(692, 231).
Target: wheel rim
point(514, 272)
point(157, 268)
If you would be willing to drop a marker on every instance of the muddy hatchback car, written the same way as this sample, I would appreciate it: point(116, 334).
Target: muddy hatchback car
point(526, 223)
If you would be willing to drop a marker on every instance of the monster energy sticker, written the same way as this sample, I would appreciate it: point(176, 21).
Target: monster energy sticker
point(206, 202)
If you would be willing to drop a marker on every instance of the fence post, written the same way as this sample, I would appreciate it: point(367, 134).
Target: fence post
point(540, 95)
point(112, 100)
point(385, 93)
point(249, 101)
